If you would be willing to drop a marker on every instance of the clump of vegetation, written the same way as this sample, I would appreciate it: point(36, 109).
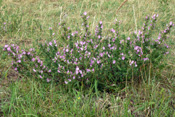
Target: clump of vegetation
point(90, 59)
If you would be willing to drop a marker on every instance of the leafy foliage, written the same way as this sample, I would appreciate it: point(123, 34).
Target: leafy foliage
point(88, 59)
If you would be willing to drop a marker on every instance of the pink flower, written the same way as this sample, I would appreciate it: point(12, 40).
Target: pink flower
point(123, 58)
point(135, 64)
point(65, 82)
point(85, 13)
point(55, 41)
point(145, 59)
point(50, 43)
point(114, 61)
point(41, 71)
point(34, 70)
point(128, 38)
point(5, 46)
point(77, 70)
point(80, 72)
point(73, 77)
point(93, 69)
point(33, 59)
point(98, 61)
point(48, 80)
point(16, 69)
point(88, 70)
point(8, 49)
point(112, 30)
point(131, 63)
point(40, 76)
point(19, 61)
point(69, 80)
point(167, 53)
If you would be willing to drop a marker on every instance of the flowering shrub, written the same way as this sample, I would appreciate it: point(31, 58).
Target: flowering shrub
point(87, 58)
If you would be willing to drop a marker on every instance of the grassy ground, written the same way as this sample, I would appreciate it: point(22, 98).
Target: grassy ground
point(29, 20)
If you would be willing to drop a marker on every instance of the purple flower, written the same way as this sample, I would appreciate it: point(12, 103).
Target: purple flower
point(34, 70)
point(33, 59)
point(85, 13)
point(166, 46)
point(128, 38)
point(16, 69)
point(50, 28)
point(40, 76)
point(88, 70)
point(19, 61)
point(69, 80)
point(145, 59)
point(101, 54)
point(8, 49)
point(58, 71)
point(100, 22)
point(41, 71)
point(122, 54)
point(77, 70)
point(48, 80)
point(93, 69)
point(114, 61)
point(99, 36)
point(135, 64)
point(121, 41)
point(98, 61)
point(167, 53)
point(50, 43)
point(131, 63)
point(80, 72)
point(136, 47)
point(103, 48)
point(5, 46)
point(65, 82)
point(73, 77)
point(49, 70)
point(112, 30)
point(55, 41)
point(123, 58)
point(67, 50)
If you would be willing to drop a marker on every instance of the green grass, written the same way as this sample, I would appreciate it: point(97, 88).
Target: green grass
point(29, 21)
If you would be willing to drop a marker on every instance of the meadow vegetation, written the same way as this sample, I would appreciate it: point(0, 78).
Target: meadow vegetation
point(87, 58)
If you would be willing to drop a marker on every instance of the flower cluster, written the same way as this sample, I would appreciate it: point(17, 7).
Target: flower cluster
point(108, 59)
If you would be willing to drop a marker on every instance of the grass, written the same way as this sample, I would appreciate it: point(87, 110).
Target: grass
point(29, 21)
